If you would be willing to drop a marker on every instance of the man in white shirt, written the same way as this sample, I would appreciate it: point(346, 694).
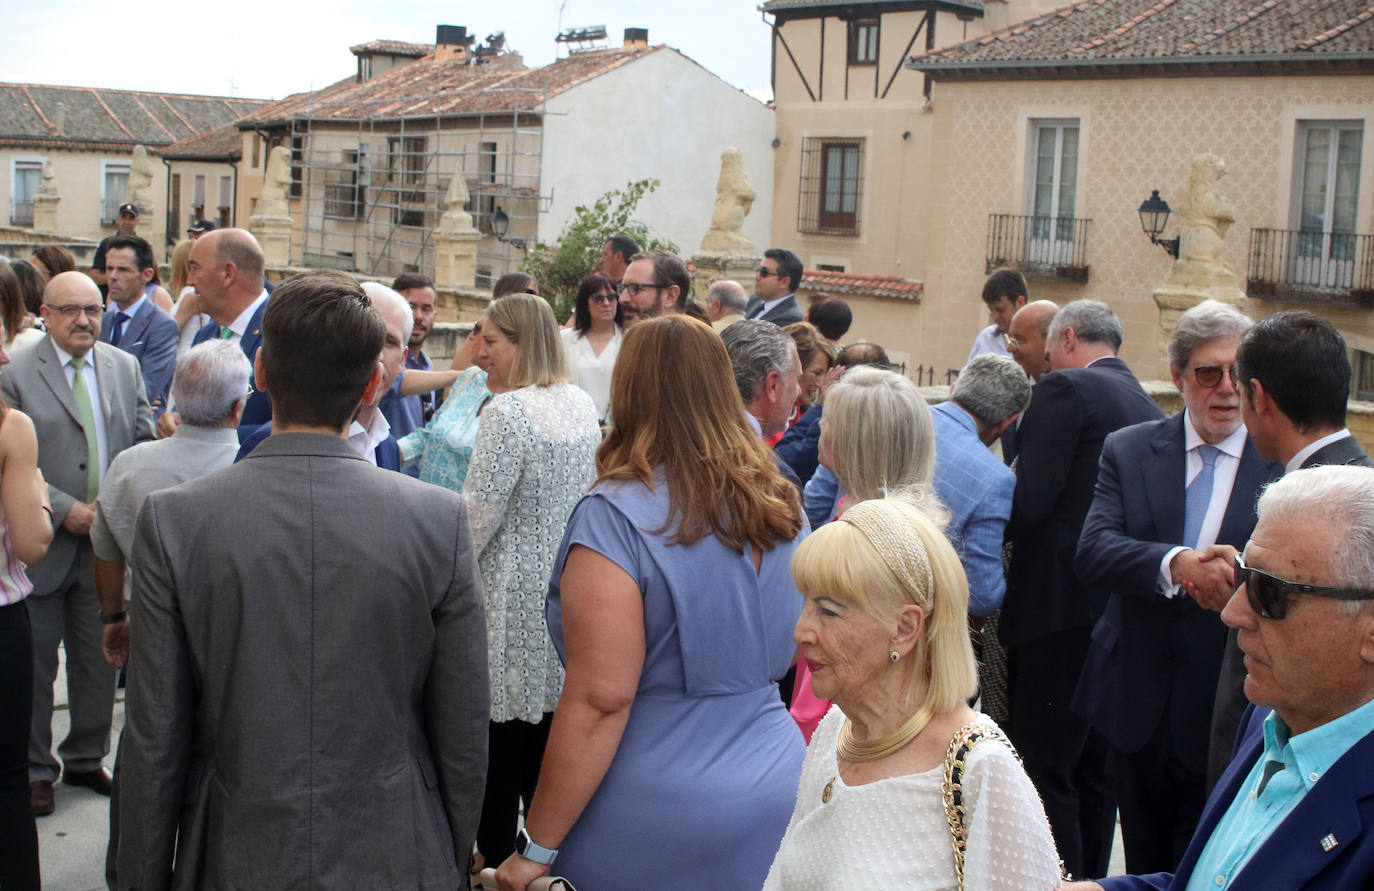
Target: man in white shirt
point(1167, 492)
point(1004, 293)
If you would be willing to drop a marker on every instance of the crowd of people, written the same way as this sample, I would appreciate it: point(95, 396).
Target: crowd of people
point(675, 594)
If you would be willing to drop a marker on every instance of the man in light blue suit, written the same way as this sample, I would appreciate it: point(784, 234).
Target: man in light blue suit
point(990, 393)
point(133, 322)
point(1294, 808)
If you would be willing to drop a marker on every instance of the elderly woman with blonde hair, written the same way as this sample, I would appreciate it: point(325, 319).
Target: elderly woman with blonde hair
point(904, 786)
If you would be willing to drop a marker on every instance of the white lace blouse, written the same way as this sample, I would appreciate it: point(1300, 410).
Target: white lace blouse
point(893, 834)
point(534, 457)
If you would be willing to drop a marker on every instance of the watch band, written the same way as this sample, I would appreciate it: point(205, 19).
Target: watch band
point(112, 618)
point(531, 850)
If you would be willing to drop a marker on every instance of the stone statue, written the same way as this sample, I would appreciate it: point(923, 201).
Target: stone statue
point(456, 219)
point(1206, 216)
point(47, 186)
point(141, 173)
point(734, 197)
point(275, 183)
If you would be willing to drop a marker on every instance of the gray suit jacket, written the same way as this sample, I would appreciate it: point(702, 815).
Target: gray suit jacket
point(35, 384)
point(310, 705)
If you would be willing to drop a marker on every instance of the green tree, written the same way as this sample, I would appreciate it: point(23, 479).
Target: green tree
point(560, 267)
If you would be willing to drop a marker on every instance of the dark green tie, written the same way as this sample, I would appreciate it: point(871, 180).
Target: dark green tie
point(82, 397)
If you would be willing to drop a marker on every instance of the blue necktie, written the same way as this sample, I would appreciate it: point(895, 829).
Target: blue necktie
point(118, 329)
point(1199, 495)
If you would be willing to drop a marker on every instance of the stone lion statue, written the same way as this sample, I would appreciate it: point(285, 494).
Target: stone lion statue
point(141, 172)
point(275, 183)
point(734, 198)
point(1206, 216)
point(47, 186)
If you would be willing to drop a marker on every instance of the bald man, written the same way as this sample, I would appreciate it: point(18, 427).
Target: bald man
point(1026, 337)
point(88, 404)
point(725, 303)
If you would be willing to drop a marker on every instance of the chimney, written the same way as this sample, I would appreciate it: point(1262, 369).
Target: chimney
point(59, 119)
point(451, 43)
point(636, 38)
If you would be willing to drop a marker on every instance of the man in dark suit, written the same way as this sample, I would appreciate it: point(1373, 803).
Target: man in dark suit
point(226, 269)
point(87, 403)
point(1166, 492)
point(1048, 613)
point(254, 746)
point(1295, 807)
point(775, 283)
point(134, 323)
point(1295, 379)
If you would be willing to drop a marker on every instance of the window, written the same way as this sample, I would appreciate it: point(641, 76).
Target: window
point(27, 177)
point(226, 200)
point(1328, 183)
point(174, 214)
point(1362, 381)
point(863, 42)
point(297, 166)
point(198, 198)
point(1054, 189)
point(114, 186)
point(831, 186)
point(486, 166)
point(343, 196)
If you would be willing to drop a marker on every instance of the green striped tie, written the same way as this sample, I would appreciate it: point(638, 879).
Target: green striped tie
point(82, 397)
point(225, 332)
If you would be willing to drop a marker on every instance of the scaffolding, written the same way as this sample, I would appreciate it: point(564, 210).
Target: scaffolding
point(370, 186)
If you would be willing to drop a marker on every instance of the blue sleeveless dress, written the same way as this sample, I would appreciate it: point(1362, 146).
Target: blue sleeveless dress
point(705, 778)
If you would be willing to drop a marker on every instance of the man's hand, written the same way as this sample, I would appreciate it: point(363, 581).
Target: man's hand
point(168, 424)
point(114, 643)
point(79, 517)
point(1208, 576)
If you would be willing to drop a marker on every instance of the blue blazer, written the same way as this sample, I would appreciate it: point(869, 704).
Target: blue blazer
point(1340, 805)
point(1154, 658)
point(151, 337)
point(258, 411)
point(800, 445)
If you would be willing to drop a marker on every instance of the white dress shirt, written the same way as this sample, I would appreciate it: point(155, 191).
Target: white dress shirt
point(1229, 453)
point(366, 439)
point(1308, 450)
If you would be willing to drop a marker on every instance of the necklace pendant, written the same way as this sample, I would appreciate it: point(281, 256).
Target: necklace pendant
point(827, 791)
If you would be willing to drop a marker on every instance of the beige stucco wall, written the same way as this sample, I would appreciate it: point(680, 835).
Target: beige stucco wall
point(1135, 135)
point(212, 171)
point(80, 180)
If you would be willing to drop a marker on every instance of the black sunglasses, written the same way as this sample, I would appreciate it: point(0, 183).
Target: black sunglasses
point(1210, 375)
point(1268, 594)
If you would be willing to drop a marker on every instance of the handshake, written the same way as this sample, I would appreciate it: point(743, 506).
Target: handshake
point(1208, 576)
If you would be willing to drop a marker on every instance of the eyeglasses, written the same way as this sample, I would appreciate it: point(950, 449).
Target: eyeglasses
point(1210, 375)
point(633, 288)
point(71, 311)
point(1013, 340)
point(764, 272)
point(530, 291)
point(1268, 594)
point(602, 298)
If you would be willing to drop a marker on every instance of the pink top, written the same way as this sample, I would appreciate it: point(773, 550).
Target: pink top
point(14, 582)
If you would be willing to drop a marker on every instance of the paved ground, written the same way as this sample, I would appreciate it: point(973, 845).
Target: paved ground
point(71, 842)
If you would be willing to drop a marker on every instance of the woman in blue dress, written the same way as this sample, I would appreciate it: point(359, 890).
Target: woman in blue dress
point(671, 761)
point(444, 445)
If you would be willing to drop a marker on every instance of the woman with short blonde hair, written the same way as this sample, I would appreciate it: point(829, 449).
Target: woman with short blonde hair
point(539, 358)
point(885, 635)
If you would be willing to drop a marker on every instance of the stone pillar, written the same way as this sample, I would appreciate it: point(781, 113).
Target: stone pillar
point(455, 239)
point(274, 235)
point(45, 212)
point(731, 266)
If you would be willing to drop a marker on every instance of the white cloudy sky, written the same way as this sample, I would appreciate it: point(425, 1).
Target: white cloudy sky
point(268, 48)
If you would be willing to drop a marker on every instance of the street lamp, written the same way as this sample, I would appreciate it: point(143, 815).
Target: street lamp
point(500, 225)
point(1154, 216)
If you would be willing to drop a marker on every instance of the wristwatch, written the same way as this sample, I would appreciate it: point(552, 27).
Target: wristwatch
point(527, 848)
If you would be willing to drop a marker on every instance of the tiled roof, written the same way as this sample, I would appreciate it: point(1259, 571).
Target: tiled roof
point(432, 87)
point(88, 117)
point(820, 7)
point(219, 144)
point(860, 284)
point(392, 48)
point(1144, 33)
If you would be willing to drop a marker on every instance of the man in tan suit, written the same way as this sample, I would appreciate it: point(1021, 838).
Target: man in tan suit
point(308, 699)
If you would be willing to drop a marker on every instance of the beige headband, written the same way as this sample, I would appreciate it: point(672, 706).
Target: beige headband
point(891, 535)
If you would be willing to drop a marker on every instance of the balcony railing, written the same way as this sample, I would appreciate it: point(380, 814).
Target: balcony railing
point(1311, 267)
point(109, 212)
point(1040, 247)
point(21, 213)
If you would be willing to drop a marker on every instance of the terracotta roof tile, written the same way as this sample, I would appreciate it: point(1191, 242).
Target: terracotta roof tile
point(1144, 32)
point(91, 117)
point(220, 143)
point(430, 87)
point(862, 284)
point(393, 48)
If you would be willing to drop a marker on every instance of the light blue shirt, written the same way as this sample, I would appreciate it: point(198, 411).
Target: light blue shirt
point(989, 340)
point(1260, 806)
point(821, 496)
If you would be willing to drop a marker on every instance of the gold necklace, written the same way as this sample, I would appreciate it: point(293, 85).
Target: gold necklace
point(860, 752)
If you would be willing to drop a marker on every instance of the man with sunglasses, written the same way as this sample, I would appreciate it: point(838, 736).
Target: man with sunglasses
point(1294, 380)
point(775, 284)
point(1167, 492)
point(88, 404)
point(1293, 808)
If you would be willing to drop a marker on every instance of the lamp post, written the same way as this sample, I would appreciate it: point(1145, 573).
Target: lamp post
point(500, 225)
point(1154, 216)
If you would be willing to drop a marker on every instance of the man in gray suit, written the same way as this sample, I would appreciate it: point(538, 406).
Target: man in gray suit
point(308, 701)
point(88, 404)
point(1294, 382)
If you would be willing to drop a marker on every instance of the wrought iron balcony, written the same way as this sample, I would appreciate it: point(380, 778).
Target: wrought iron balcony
point(1039, 247)
point(21, 213)
point(1311, 267)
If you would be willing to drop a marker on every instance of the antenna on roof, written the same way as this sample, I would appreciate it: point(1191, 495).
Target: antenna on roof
point(581, 40)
